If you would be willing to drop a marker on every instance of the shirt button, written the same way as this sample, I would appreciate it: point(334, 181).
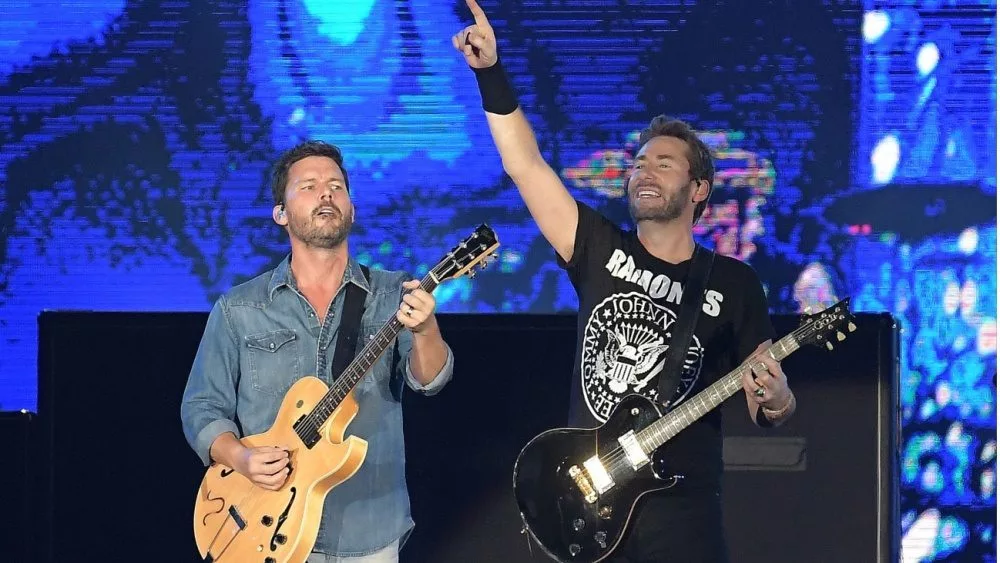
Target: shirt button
point(271, 345)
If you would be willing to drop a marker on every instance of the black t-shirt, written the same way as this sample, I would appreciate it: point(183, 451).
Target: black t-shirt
point(628, 301)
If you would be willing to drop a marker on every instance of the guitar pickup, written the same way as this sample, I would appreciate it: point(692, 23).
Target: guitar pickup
point(599, 476)
point(633, 450)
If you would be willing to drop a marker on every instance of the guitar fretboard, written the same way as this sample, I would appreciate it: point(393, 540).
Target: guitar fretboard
point(656, 434)
point(373, 350)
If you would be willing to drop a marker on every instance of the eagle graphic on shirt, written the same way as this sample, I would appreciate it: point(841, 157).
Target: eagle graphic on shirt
point(625, 346)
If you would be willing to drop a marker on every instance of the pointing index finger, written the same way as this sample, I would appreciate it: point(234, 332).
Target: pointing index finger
point(478, 13)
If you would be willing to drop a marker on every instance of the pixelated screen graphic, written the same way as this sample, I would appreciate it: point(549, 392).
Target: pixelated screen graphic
point(924, 208)
point(856, 156)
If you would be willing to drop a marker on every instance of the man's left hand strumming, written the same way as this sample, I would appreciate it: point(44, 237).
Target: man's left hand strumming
point(416, 312)
point(429, 353)
point(766, 385)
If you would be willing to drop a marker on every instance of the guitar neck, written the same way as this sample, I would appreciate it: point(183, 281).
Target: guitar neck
point(359, 366)
point(668, 426)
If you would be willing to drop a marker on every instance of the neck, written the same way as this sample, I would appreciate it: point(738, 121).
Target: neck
point(319, 267)
point(670, 241)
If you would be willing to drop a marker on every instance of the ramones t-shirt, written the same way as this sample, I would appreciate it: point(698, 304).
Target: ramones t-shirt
point(629, 300)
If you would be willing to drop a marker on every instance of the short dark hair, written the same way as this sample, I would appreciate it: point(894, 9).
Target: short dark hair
point(279, 176)
point(700, 163)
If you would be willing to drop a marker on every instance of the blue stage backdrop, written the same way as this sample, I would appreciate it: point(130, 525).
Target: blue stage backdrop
point(857, 156)
point(924, 208)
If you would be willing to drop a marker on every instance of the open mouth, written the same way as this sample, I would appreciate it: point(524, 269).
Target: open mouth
point(326, 211)
point(646, 194)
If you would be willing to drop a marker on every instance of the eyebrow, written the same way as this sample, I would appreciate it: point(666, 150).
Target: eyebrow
point(314, 179)
point(659, 157)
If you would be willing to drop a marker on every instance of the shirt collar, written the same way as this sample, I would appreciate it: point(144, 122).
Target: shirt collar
point(282, 276)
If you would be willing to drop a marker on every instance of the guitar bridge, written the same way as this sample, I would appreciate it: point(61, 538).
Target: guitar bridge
point(583, 484)
point(592, 480)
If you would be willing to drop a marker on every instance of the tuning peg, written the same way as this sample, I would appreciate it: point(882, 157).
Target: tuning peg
point(851, 327)
point(472, 274)
point(841, 336)
point(829, 346)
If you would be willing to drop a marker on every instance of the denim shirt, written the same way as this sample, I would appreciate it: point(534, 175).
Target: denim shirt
point(260, 338)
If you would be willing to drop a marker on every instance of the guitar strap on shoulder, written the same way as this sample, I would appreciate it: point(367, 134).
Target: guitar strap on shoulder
point(683, 328)
point(350, 324)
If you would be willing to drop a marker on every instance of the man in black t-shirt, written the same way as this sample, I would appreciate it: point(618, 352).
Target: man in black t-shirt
point(630, 285)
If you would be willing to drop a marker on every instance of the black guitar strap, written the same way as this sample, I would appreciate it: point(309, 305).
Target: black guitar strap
point(680, 339)
point(350, 324)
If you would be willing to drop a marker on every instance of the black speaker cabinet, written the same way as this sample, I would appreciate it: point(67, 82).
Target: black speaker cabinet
point(17, 475)
point(827, 482)
point(119, 481)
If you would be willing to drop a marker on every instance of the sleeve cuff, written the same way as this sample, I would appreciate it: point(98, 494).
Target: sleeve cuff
point(208, 434)
point(439, 381)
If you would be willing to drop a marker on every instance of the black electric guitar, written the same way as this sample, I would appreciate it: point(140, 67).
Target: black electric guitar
point(576, 488)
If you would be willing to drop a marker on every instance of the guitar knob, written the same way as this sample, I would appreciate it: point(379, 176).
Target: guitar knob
point(604, 512)
point(578, 524)
point(574, 549)
point(280, 539)
point(602, 539)
point(267, 520)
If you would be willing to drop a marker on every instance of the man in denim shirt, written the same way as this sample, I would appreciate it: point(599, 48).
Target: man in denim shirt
point(265, 334)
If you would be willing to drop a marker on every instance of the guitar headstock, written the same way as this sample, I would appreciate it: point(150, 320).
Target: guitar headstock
point(477, 249)
point(820, 328)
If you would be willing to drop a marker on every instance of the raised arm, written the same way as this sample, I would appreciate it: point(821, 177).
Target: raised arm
point(548, 200)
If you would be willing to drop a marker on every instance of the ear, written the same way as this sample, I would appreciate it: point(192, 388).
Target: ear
point(701, 191)
point(278, 214)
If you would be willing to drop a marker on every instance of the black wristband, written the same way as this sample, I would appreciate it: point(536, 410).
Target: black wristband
point(496, 91)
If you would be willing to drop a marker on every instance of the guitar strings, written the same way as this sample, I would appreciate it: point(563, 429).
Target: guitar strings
point(613, 459)
point(340, 388)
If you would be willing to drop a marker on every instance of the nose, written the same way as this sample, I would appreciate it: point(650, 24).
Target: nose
point(639, 176)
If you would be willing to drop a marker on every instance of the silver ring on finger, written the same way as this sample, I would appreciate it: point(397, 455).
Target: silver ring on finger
point(759, 392)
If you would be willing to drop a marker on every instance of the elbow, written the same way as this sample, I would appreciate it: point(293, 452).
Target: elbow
point(514, 167)
point(519, 168)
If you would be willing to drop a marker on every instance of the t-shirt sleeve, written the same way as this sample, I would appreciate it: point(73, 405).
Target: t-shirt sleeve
point(595, 237)
point(753, 321)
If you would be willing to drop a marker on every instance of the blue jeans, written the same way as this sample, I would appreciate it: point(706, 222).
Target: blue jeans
point(389, 554)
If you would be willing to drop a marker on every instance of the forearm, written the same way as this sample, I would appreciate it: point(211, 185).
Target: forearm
point(428, 355)
point(767, 418)
point(516, 143)
point(227, 449)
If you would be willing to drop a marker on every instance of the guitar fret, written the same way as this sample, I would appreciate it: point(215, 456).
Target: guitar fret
point(474, 249)
point(357, 369)
point(673, 422)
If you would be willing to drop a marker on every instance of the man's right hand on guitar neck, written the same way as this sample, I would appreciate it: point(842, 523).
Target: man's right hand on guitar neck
point(265, 466)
